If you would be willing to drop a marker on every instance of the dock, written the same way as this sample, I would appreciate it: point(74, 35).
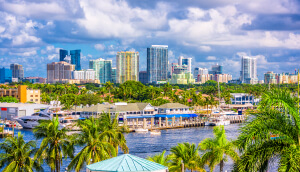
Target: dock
point(6, 133)
point(172, 123)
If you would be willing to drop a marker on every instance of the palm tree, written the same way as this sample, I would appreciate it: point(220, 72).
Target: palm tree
point(217, 149)
point(55, 144)
point(160, 159)
point(109, 86)
point(17, 155)
point(95, 145)
point(278, 116)
point(113, 131)
point(185, 155)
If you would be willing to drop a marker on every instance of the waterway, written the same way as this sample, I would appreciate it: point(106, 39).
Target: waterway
point(144, 145)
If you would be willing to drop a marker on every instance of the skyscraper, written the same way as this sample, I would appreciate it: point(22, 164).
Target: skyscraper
point(185, 62)
point(5, 75)
point(127, 66)
point(62, 54)
point(248, 70)
point(200, 71)
point(17, 71)
point(102, 68)
point(216, 69)
point(75, 58)
point(114, 75)
point(157, 63)
point(59, 71)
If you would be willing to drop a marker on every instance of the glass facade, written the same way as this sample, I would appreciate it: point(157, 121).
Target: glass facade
point(248, 69)
point(62, 54)
point(5, 75)
point(114, 75)
point(17, 71)
point(157, 63)
point(102, 68)
point(216, 69)
point(75, 58)
point(127, 66)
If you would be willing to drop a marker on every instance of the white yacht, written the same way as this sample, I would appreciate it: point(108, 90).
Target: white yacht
point(217, 121)
point(29, 122)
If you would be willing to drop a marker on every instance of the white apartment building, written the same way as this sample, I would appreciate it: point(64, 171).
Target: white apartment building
point(88, 74)
point(249, 70)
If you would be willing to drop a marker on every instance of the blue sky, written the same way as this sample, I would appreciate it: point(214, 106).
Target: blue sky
point(214, 31)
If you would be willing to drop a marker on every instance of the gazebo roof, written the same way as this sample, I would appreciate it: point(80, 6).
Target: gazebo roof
point(126, 163)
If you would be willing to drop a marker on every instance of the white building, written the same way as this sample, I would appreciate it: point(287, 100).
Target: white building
point(200, 71)
point(243, 98)
point(248, 70)
point(88, 74)
point(185, 61)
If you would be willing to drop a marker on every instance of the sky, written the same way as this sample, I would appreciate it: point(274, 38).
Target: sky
point(210, 32)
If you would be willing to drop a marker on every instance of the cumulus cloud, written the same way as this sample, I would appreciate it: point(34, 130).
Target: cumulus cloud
point(100, 47)
point(211, 58)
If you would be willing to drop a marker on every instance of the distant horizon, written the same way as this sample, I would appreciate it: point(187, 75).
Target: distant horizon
point(209, 32)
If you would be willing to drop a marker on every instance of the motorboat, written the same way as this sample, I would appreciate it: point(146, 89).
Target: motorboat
point(217, 121)
point(29, 122)
point(141, 130)
point(67, 121)
point(155, 132)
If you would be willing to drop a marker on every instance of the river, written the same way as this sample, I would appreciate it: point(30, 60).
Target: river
point(144, 145)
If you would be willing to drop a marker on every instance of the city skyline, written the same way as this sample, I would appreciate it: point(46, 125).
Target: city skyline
point(208, 32)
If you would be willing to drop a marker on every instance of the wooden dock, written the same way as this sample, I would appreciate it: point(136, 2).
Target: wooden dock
point(6, 133)
point(173, 124)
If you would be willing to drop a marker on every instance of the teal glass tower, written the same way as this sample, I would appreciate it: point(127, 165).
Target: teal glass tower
point(75, 58)
point(157, 63)
point(103, 69)
point(62, 54)
point(5, 75)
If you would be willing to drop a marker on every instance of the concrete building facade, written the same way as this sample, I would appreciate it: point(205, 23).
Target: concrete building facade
point(157, 63)
point(59, 71)
point(127, 66)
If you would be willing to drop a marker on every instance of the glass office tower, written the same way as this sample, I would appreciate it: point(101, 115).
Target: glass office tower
point(17, 71)
point(75, 58)
point(62, 54)
point(102, 68)
point(5, 75)
point(157, 63)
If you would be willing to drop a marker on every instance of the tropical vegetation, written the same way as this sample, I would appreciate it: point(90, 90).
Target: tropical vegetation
point(17, 155)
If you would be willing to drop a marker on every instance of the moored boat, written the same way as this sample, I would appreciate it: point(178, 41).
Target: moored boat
point(141, 130)
point(155, 132)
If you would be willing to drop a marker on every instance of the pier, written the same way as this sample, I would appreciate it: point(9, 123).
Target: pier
point(173, 123)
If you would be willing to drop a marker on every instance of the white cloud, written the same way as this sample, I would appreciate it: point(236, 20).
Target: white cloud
point(211, 58)
point(52, 56)
point(205, 48)
point(100, 47)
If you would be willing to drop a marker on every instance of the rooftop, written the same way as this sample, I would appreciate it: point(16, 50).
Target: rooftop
point(173, 105)
point(126, 163)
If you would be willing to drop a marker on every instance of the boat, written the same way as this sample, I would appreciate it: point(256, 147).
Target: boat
point(217, 121)
point(155, 132)
point(67, 121)
point(29, 122)
point(141, 130)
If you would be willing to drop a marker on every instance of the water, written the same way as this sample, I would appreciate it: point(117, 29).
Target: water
point(144, 144)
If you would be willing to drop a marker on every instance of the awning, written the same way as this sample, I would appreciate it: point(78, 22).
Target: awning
point(131, 117)
point(176, 115)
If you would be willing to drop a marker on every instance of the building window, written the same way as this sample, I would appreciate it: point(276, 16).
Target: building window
point(31, 95)
point(36, 91)
point(31, 100)
point(36, 100)
point(36, 95)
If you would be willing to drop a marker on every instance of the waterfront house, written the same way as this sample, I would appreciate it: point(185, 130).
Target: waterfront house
point(243, 98)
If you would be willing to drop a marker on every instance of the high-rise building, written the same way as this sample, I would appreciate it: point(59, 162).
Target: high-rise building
point(216, 69)
point(185, 62)
point(143, 77)
point(75, 58)
point(102, 68)
point(157, 63)
point(62, 54)
point(128, 66)
point(248, 70)
point(270, 78)
point(200, 71)
point(114, 75)
point(17, 71)
point(5, 75)
point(59, 71)
point(88, 74)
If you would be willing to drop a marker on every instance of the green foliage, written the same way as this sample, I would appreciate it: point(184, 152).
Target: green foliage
point(161, 159)
point(16, 155)
point(100, 138)
point(278, 115)
point(9, 99)
point(55, 144)
point(217, 149)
